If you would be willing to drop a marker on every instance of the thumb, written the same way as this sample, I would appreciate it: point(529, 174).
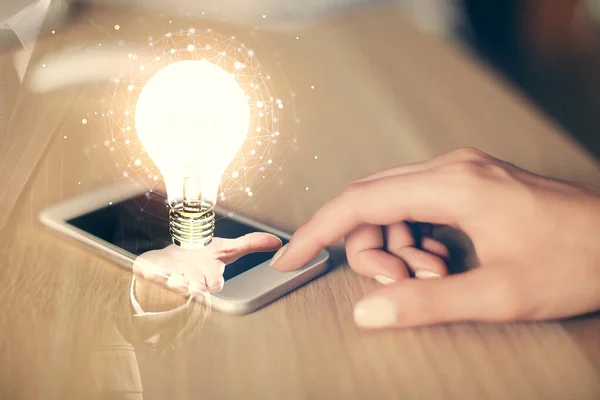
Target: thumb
point(255, 242)
point(483, 294)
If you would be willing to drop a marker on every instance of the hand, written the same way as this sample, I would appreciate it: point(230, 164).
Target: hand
point(536, 239)
point(191, 272)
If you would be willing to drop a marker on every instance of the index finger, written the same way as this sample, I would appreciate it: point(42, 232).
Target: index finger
point(256, 242)
point(423, 196)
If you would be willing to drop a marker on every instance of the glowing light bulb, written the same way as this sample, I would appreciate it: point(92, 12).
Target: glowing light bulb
point(192, 118)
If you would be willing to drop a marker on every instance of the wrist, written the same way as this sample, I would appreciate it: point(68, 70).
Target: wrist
point(155, 298)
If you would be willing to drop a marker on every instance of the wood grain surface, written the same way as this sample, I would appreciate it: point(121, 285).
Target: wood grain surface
point(384, 94)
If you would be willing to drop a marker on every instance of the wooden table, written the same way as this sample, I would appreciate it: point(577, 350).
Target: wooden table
point(384, 94)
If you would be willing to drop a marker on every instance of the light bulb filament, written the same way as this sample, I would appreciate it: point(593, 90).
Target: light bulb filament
point(192, 194)
point(191, 219)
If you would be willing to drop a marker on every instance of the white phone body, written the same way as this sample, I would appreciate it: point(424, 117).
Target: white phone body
point(241, 294)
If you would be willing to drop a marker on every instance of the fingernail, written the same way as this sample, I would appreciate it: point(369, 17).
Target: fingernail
point(277, 256)
point(424, 274)
point(384, 280)
point(375, 312)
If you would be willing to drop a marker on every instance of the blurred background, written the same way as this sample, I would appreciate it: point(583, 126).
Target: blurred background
point(547, 49)
point(550, 50)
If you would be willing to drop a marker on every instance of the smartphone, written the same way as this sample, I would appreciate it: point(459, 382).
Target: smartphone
point(124, 220)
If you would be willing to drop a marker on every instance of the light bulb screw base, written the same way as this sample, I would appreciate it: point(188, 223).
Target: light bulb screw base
point(191, 226)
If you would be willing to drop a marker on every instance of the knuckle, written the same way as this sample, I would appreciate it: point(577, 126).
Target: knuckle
point(352, 197)
point(470, 154)
point(395, 248)
point(355, 261)
point(352, 188)
point(464, 169)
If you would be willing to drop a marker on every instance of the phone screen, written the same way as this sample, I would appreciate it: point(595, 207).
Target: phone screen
point(141, 224)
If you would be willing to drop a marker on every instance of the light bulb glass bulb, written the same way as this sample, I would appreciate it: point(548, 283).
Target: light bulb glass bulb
point(192, 118)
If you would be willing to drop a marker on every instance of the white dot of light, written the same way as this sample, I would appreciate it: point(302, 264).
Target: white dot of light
point(117, 27)
point(191, 47)
point(84, 121)
point(235, 174)
point(312, 87)
point(138, 162)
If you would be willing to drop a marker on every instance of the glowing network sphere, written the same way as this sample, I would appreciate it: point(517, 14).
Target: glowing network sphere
point(273, 121)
